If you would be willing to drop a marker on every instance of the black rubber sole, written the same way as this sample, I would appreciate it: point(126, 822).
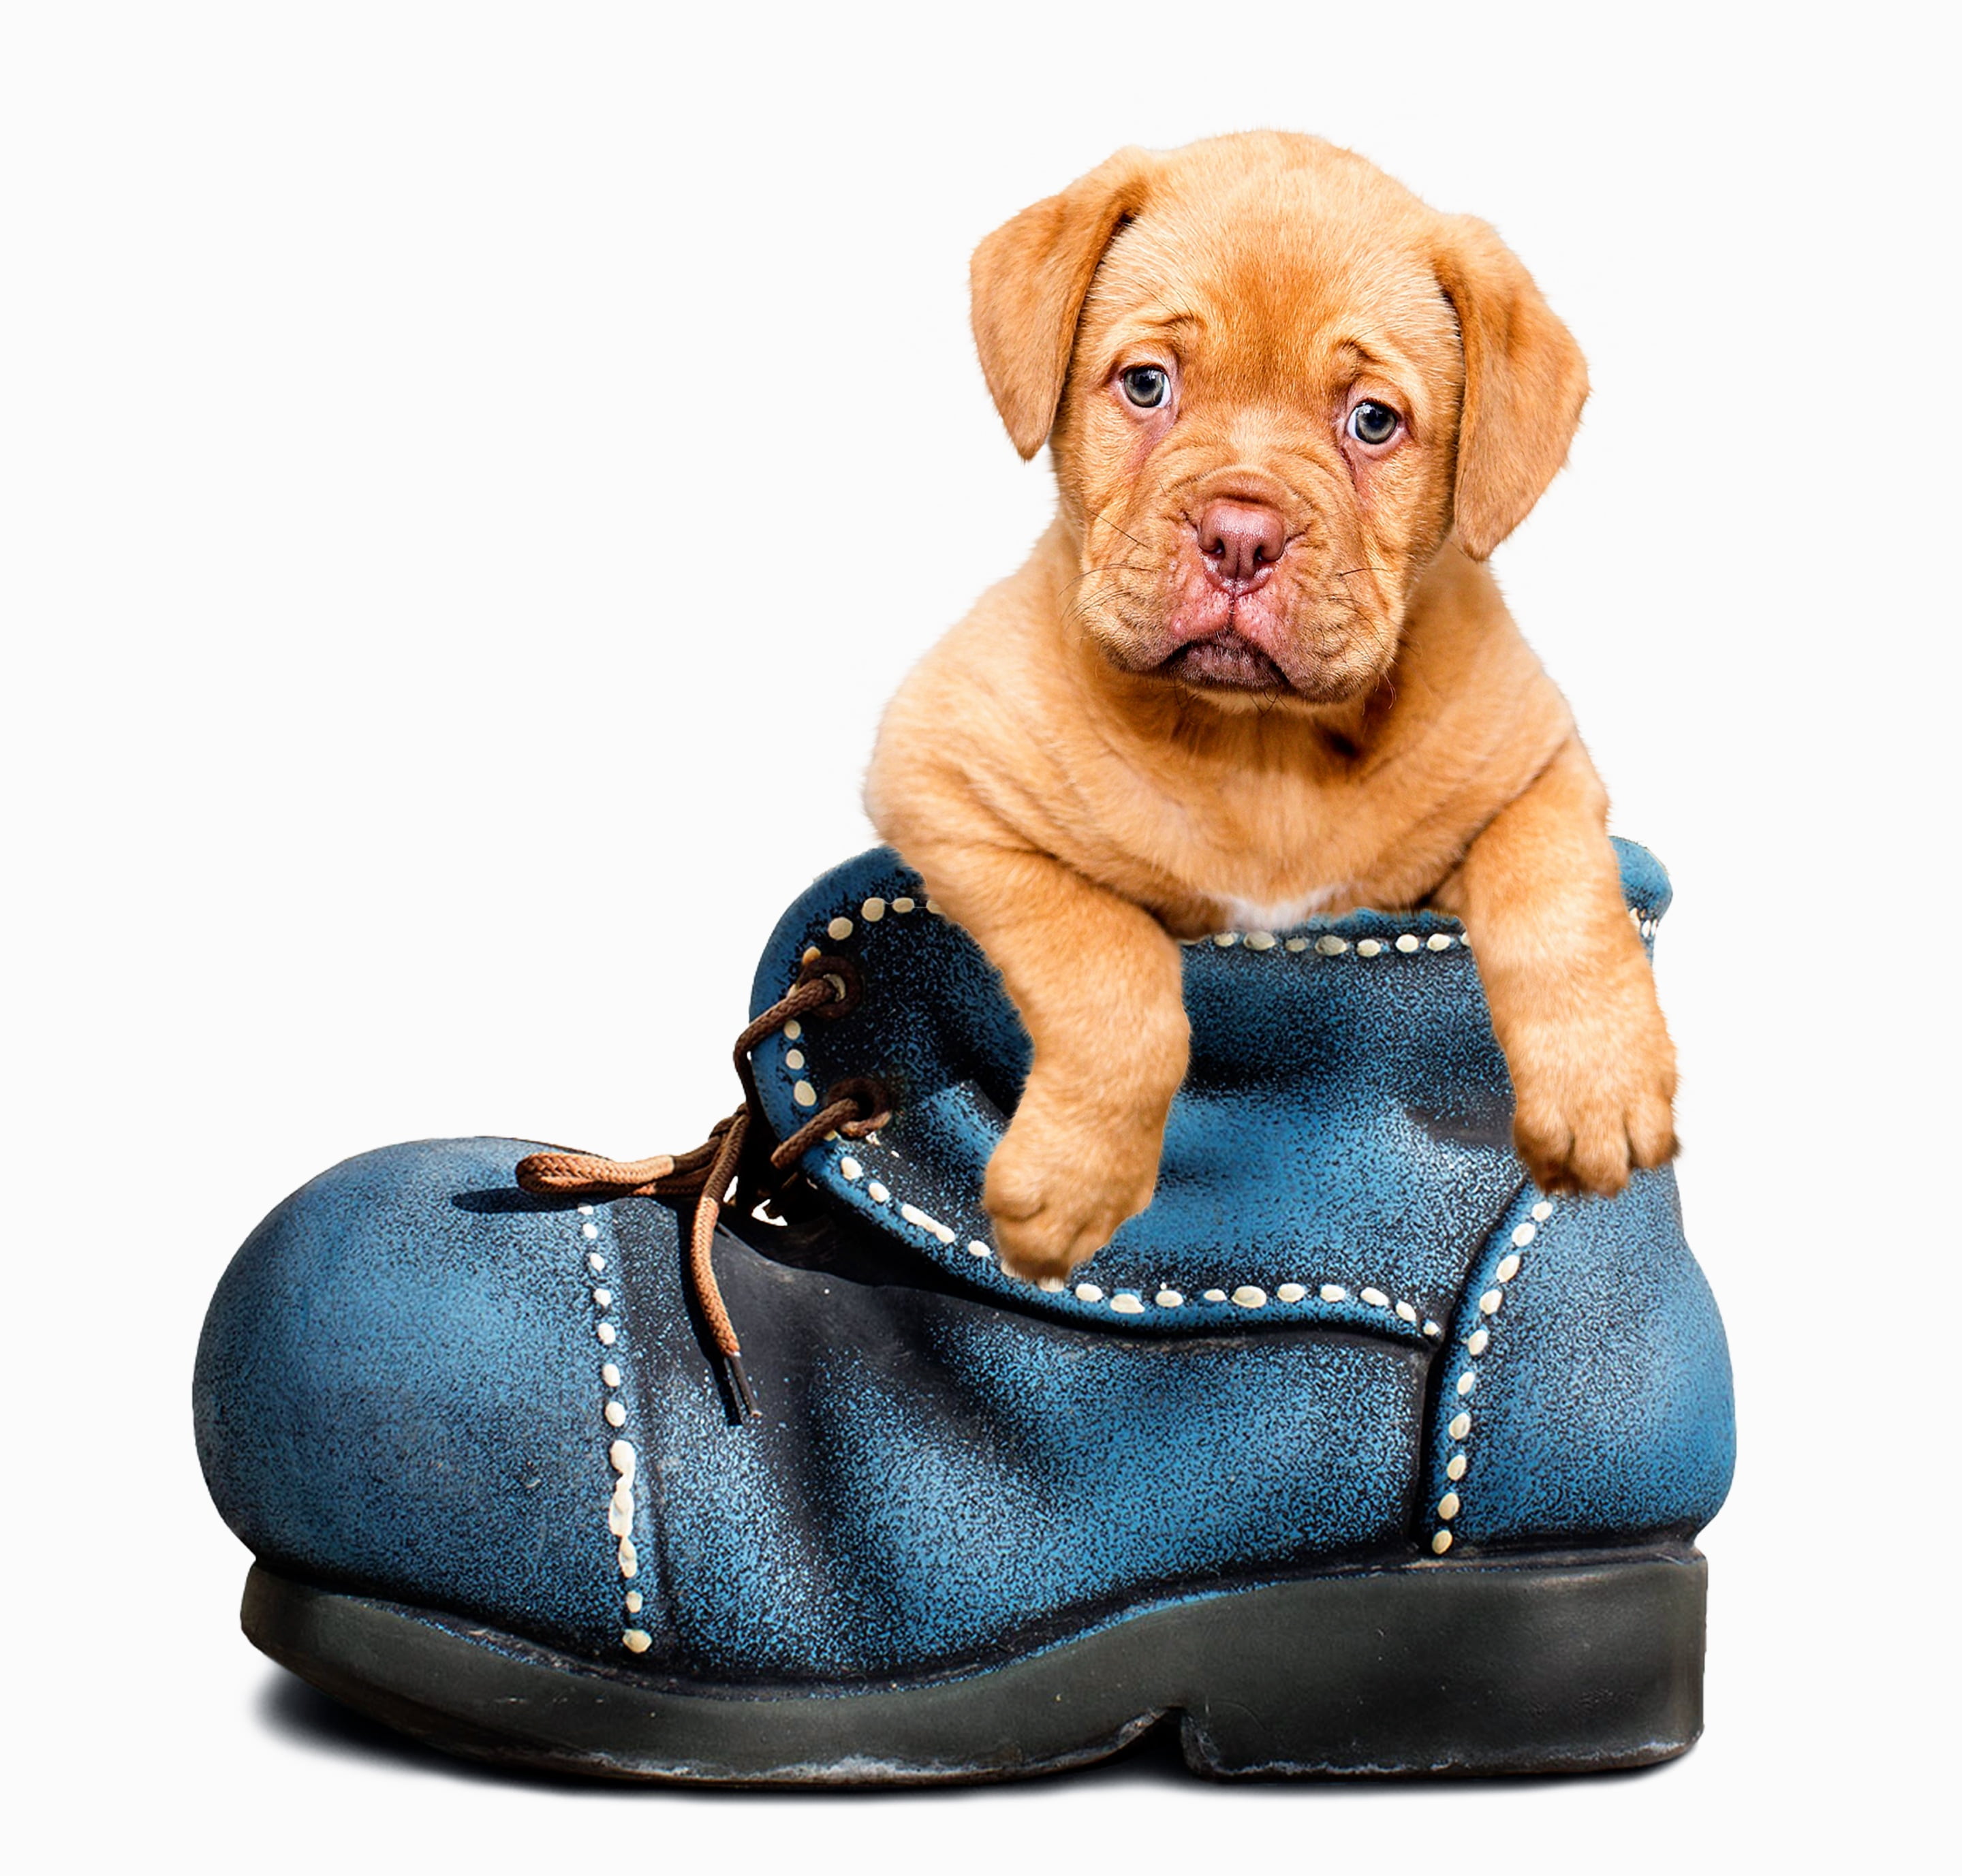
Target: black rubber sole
point(1544, 1663)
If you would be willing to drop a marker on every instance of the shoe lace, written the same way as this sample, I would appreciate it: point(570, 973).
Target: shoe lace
point(726, 1168)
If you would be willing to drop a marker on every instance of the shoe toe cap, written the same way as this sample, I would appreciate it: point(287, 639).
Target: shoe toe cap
point(397, 1391)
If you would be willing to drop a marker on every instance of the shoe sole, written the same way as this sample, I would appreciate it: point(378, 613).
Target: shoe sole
point(1578, 1662)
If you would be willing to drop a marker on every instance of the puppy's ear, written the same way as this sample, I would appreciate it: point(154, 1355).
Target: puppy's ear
point(1525, 382)
point(1027, 281)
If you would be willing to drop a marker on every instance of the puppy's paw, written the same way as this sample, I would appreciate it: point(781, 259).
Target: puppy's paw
point(1594, 1098)
point(1061, 1182)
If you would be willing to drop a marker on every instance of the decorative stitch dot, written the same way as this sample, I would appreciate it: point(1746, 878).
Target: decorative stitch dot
point(1290, 1293)
point(793, 1030)
point(1448, 1507)
point(1408, 1314)
point(1408, 942)
point(851, 1167)
point(1297, 944)
point(1455, 1470)
point(589, 1230)
point(1260, 940)
point(1440, 1542)
point(804, 1095)
point(1213, 1296)
point(841, 927)
point(1376, 1298)
point(1523, 1236)
point(1477, 1342)
point(877, 1193)
point(1488, 1304)
point(975, 1248)
point(1369, 947)
point(1223, 939)
point(793, 1058)
point(1460, 1426)
point(638, 1640)
point(903, 906)
point(1439, 941)
point(1250, 1296)
point(585, 1211)
point(1466, 1383)
point(1542, 1211)
point(1169, 1299)
point(605, 1332)
point(609, 1374)
point(604, 1298)
point(1508, 1268)
point(1334, 1292)
point(595, 1263)
point(1331, 946)
point(1089, 1292)
point(872, 911)
point(616, 1414)
point(1126, 1304)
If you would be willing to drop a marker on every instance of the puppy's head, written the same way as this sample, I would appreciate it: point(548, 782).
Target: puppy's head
point(1274, 384)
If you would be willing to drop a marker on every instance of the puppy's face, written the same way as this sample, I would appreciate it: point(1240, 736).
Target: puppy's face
point(1256, 441)
point(1258, 415)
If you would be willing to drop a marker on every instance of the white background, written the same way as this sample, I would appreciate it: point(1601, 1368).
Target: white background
point(471, 477)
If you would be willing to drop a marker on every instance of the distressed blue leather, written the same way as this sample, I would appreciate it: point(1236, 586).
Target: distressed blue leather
point(416, 1382)
point(1345, 1124)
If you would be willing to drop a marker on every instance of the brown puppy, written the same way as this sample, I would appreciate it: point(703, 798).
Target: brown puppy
point(1256, 668)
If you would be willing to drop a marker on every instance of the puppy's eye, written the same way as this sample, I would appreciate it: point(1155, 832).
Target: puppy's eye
point(1372, 422)
point(1147, 386)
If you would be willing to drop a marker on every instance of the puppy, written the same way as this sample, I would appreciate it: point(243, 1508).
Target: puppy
point(1257, 670)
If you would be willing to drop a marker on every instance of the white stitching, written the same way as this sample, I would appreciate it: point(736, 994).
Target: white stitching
point(1403, 944)
point(1459, 1430)
point(620, 1453)
point(1328, 945)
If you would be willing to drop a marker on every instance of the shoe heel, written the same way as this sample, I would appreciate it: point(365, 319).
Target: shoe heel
point(1539, 1666)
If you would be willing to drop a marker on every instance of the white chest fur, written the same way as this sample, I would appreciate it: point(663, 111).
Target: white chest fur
point(1244, 916)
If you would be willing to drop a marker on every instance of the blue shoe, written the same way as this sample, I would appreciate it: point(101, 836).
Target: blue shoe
point(1353, 1453)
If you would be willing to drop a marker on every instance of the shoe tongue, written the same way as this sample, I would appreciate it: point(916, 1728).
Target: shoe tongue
point(1339, 1150)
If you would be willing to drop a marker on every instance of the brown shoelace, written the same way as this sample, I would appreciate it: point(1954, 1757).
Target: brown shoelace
point(723, 1170)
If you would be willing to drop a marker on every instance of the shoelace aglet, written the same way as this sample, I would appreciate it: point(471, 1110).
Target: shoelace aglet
point(736, 1377)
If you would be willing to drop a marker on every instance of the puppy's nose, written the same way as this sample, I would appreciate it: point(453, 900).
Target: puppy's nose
point(1240, 542)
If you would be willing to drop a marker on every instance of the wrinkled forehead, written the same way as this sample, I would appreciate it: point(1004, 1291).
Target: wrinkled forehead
point(1279, 280)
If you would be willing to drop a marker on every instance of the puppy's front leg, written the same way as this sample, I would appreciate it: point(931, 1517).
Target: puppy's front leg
point(1097, 981)
point(1573, 998)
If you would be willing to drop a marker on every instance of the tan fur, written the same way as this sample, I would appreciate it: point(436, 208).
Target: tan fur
point(1079, 798)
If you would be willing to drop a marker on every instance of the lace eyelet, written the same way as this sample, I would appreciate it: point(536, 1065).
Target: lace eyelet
point(848, 986)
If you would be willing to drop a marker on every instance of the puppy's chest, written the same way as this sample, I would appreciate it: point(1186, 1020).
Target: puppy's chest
point(1277, 915)
point(1260, 851)
point(1277, 872)
point(1237, 892)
